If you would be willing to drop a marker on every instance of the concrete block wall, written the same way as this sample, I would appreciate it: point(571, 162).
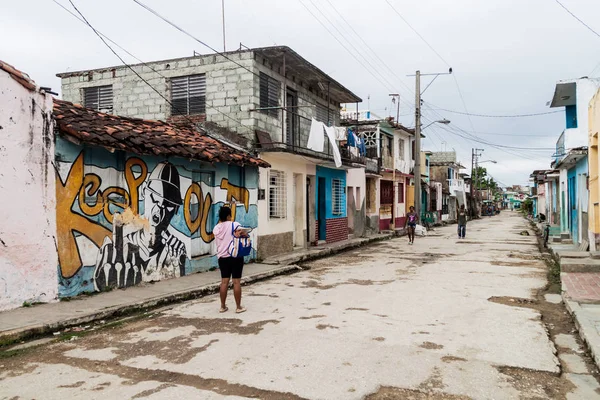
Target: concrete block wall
point(231, 90)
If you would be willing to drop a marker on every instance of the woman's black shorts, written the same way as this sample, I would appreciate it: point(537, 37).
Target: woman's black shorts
point(231, 267)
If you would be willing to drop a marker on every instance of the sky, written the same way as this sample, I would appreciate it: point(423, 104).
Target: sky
point(506, 56)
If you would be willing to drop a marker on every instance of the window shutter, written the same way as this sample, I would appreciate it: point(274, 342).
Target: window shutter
point(188, 95)
point(322, 113)
point(269, 95)
point(99, 98)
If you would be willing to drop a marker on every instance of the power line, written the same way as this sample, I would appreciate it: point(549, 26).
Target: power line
point(497, 116)
point(577, 18)
point(102, 37)
point(418, 34)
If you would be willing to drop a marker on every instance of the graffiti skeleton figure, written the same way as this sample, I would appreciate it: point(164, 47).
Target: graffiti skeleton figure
point(150, 252)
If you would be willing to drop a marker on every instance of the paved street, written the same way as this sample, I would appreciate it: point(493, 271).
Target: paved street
point(443, 319)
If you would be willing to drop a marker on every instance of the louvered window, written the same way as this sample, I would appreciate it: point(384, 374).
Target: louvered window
point(269, 95)
point(277, 194)
point(99, 98)
point(324, 115)
point(337, 196)
point(188, 95)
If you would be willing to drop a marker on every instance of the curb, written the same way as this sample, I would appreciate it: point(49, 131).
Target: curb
point(10, 337)
point(326, 252)
point(586, 329)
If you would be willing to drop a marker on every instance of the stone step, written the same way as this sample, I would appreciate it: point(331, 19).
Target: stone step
point(565, 236)
point(563, 254)
point(556, 239)
point(579, 265)
point(595, 255)
point(567, 241)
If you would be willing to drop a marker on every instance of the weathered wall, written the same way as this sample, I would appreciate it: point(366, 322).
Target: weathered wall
point(28, 256)
point(230, 88)
point(357, 202)
point(124, 219)
point(594, 164)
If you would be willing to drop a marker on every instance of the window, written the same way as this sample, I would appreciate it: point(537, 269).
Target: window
point(390, 143)
point(324, 114)
point(412, 153)
point(99, 98)
point(400, 192)
point(269, 95)
point(337, 196)
point(401, 149)
point(188, 95)
point(277, 194)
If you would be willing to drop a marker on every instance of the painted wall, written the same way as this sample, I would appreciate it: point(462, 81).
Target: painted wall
point(356, 200)
point(582, 199)
point(277, 235)
point(125, 219)
point(594, 162)
point(585, 91)
point(329, 174)
point(28, 255)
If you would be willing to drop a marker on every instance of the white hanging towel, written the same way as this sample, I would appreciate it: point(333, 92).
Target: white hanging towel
point(337, 157)
point(316, 136)
point(340, 133)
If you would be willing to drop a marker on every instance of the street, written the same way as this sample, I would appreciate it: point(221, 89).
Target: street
point(443, 319)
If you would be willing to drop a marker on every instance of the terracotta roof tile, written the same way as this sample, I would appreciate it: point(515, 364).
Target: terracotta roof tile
point(145, 137)
point(17, 75)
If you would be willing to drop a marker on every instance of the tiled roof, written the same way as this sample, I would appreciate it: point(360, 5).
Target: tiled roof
point(147, 137)
point(17, 75)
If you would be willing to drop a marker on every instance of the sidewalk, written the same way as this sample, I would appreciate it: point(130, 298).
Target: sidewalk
point(26, 322)
point(581, 295)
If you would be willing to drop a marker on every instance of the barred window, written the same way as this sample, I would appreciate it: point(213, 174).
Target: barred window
point(188, 95)
point(269, 95)
point(99, 98)
point(337, 196)
point(277, 194)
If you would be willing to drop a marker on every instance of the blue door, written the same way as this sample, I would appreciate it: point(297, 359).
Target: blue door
point(321, 211)
point(573, 223)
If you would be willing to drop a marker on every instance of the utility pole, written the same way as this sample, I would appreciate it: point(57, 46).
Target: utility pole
point(418, 144)
point(223, 12)
point(473, 208)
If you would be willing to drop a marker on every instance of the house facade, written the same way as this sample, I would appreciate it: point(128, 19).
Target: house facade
point(571, 157)
point(268, 98)
point(445, 168)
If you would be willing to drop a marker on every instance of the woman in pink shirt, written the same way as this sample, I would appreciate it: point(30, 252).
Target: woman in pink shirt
point(230, 267)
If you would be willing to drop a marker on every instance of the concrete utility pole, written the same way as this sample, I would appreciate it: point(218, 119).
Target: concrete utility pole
point(418, 144)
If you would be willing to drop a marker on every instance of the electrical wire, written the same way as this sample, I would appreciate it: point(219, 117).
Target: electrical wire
point(577, 18)
point(102, 37)
point(224, 55)
point(495, 116)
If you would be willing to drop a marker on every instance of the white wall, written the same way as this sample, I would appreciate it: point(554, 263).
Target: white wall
point(290, 164)
point(357, 179)
point(578, 137)
point(28, 257)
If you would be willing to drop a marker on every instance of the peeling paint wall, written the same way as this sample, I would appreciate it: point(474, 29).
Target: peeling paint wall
point(125, 219)
point(28, 256)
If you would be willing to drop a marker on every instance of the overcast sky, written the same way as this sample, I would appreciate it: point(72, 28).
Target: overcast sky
point(506, 55)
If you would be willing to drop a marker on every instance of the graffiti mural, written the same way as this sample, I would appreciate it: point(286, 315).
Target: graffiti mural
point(125, 220)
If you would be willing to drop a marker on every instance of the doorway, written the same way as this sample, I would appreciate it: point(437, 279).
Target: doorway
point(321, 211)
point(298, 211)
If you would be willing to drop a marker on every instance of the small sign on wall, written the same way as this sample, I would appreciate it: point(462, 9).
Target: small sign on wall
point(261, 194)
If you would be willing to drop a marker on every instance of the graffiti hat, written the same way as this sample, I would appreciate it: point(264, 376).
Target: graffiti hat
point(164, 182)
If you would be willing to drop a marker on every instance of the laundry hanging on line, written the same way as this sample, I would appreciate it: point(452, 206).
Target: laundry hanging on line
point(316, 137)
point(337, 157)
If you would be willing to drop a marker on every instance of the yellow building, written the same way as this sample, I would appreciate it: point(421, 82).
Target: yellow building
point(594, 187)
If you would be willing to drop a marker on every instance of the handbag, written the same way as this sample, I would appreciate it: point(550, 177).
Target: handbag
point(239, 247)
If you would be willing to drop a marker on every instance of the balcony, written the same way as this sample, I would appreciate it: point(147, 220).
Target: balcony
point(457, 185)
point(297, 145)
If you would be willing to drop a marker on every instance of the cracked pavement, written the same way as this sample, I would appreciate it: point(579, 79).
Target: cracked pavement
point(443, 319)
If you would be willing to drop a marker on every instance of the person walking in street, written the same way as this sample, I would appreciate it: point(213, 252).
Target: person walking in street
point(462, 222)
point(411, 222)
point(231, 267)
